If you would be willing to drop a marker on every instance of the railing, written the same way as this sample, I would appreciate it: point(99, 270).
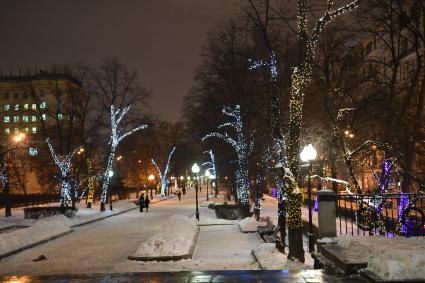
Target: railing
point(18, 200)
point(386, 214)
point(28, 200)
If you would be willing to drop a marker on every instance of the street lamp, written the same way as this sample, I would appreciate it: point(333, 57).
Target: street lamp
point(307, 155)
point(6, 150)
point(207, 176)
point(195, 170)
point(151, 178)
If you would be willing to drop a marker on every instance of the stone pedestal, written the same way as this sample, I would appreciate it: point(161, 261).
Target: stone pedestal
point(327, 213)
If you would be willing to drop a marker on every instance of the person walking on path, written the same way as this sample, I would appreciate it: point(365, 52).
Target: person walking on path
point(179, 194)
point(147, 201)
point(142, 202)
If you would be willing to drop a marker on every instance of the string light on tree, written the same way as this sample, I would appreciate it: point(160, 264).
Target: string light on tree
point(64, 164)
point(163, 175)
point(116, 137)
point(243, 147)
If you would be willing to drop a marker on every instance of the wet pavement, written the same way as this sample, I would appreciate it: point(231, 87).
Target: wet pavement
point(276, 276)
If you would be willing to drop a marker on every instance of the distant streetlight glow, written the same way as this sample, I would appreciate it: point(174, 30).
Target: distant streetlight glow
point(151, 177)
point(19, 137)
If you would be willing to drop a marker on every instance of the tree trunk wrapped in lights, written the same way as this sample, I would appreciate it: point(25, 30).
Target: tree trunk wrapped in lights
point(163, 175)
point(300, 82)
point(116, 137)
point(243, 147)
point(211, 167)
point(64, 164)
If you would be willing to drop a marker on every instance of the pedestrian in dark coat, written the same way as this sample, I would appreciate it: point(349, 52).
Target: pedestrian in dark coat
point(142, 202)
point(179, 194)
point(147, 201)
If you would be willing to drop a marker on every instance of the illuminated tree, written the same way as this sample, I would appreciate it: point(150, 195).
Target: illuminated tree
point(63, 162)
point(242, 146)
point(117, 136)
point(163, 175)
point(300, 82)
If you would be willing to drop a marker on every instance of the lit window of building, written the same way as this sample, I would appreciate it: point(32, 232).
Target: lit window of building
point(6, 107)
point(16, 130)
point(44, 117)
point(25, 119)
point(6, 119)
point(34, 106)
point(34, 130)
point(43, 105)
point(7, 131)
point(60, 117)
point(27, 130)
point(16, 107)
point(15, 119)
point(26, 106)
point(33, 118)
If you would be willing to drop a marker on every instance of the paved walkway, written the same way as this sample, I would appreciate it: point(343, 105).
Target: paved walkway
point(307, 276)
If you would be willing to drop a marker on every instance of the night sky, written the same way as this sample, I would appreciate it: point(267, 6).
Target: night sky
point(161, 39)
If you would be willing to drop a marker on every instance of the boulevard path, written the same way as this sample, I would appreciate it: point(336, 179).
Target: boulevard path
point(103, 246)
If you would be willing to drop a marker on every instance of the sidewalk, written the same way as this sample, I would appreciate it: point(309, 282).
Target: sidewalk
point(18, 233)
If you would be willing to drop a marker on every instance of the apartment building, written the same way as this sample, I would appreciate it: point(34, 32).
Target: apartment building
point(28, 101)
point(34, 104)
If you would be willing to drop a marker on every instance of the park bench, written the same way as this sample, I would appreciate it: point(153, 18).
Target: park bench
point(268, 229)
point(271, 238)
point(268, 233)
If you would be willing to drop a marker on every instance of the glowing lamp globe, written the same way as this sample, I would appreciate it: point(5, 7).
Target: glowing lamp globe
point(195, 168)
point(308, 153)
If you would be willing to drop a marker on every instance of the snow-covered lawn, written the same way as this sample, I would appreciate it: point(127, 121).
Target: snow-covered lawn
point(396, 258)
point(176, 237)
point(42, 230)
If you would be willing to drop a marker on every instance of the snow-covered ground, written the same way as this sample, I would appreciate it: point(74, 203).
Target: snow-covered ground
point(250, 224)
point(396, 258)
point(271, 259)
point(175, 238)
point(40, 231)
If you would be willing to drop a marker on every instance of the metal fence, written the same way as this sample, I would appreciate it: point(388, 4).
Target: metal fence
point(385, 214)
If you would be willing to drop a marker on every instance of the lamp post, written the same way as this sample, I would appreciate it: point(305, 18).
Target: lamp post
point(307, 155)
point(4, 174)
point(207, 176)
point(195, 170)
point(151, 178)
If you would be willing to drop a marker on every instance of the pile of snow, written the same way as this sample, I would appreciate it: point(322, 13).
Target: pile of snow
point(396, 258)
point(270, 258)
point(175, 238)
point(42, 230)
point(250, 224)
